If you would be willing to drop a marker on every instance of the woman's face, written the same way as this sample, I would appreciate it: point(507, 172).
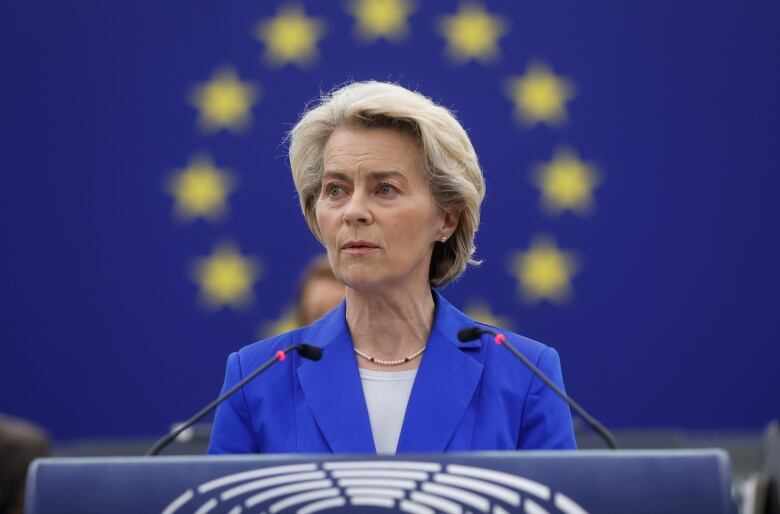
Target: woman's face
point(376, 215)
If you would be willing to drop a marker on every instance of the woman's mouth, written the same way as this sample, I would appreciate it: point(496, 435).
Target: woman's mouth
point(359, 247)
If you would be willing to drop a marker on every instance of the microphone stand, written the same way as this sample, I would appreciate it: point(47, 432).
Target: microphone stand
point(596, 425)
point(305, 350)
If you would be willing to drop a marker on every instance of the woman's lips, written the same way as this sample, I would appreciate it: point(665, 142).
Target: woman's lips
point(359, 249)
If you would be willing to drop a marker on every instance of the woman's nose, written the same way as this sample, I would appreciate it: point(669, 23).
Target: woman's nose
point(357, 209)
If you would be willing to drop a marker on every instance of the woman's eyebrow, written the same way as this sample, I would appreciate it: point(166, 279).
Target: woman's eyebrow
point(336, 175)
point(382, 175)
point(372, 175)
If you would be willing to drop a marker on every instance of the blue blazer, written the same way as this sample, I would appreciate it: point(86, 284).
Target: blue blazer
point(466, 396)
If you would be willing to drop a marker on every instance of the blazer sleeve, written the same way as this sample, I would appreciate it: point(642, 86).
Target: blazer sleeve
point(232, 429)
point(546, 422)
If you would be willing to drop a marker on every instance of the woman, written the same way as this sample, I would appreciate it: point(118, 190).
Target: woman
point(390, 184)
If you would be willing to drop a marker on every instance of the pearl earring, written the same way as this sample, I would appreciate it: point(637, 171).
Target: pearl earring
point(444, 239)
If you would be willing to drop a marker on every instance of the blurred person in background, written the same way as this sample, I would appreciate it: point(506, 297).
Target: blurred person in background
point(390, 184)
point(319, 292)
point(21, 442)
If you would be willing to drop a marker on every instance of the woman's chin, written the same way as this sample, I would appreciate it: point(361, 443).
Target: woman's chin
point(362, 278)
point(363, 284)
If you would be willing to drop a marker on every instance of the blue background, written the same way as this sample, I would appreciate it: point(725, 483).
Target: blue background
point(674, 316)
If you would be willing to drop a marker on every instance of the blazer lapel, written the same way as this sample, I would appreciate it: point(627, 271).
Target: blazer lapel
point(444, 385)
point(332, 387)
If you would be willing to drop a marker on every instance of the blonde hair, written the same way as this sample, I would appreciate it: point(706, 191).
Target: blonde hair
point(450, 165)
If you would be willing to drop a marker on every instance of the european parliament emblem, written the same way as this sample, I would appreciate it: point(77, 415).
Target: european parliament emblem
point(414, 487)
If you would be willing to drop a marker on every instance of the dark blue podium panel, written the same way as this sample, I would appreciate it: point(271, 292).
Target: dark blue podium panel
point(454, 483)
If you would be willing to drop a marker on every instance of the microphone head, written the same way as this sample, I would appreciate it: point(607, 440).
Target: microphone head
point(307, 351)
point(469, 334)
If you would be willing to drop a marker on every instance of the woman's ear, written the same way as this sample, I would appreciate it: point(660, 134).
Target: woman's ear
point(451, 219)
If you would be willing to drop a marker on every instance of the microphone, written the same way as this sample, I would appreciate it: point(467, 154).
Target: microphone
point(306, 351)
point(471, 333)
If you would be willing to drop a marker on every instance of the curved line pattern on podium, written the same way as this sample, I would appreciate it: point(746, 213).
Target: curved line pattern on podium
point(409, 486)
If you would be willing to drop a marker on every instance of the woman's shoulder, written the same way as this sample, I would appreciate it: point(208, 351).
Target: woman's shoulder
point(254, 354)
point(506, 369)
point(531, 348)
point(324, 329)
point(450, 320)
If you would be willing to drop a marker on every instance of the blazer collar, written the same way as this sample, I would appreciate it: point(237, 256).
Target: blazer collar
point(445, 383)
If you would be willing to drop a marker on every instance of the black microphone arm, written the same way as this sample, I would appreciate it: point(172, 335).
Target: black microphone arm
point(306, 351)
point(471, 333)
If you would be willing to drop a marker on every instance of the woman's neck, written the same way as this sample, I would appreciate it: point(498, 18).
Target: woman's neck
point(390, 325)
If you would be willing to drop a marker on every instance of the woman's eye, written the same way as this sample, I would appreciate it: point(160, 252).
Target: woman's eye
point(386, 189)
point(334, 190)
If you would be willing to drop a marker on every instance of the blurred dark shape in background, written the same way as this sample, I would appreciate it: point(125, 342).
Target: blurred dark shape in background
point(21, 442)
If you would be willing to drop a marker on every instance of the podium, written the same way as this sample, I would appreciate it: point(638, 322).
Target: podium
point(568, 482)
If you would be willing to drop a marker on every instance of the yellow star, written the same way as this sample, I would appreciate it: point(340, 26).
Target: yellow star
point(381, 18)
point(472, 33)
point(544, 271)
point(285, 323)
point(566, 183)
point(224, 102)
point(200, 190)
point(481, 311)
point(226, 277)
point(290, 36)
point(540, 96)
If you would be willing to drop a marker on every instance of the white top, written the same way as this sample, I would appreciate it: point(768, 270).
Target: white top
point(387, 394)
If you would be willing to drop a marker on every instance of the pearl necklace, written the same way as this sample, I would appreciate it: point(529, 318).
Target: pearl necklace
point(390, 363)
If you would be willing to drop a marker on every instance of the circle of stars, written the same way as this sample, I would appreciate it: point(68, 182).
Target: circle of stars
point(539, 96)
